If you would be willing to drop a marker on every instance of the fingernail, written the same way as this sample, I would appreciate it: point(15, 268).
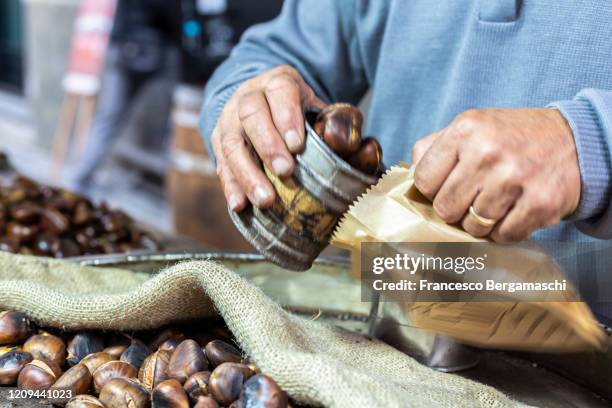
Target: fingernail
point(293, 141)
point(261, 195)
point(281, 166)
point(234, 202)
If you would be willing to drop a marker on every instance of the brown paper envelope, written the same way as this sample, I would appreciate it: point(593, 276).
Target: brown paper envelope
point(394, 211)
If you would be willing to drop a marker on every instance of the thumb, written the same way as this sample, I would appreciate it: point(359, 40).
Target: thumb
point(313, 101)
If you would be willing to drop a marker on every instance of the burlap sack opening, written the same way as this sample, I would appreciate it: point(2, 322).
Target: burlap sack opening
point(316, 363)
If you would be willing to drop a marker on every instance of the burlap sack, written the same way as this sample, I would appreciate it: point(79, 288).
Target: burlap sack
point(316, 363)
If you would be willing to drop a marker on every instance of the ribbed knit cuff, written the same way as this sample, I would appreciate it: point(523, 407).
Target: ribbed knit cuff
point(211, 112)
point(593, 157)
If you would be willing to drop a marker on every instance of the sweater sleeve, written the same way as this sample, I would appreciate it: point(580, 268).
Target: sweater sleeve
point(317, 38)
point(589, 115)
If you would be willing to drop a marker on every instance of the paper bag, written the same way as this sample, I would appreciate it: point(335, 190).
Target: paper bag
point(394, 211)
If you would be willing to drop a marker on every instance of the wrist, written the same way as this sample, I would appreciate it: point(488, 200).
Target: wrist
point(570, 165)
point(592, 156)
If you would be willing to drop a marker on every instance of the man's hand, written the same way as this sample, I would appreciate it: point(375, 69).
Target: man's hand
point(516, 166)
point(265, 113)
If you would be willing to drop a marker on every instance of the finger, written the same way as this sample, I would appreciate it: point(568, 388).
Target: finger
point(436, 164)
point(245, 169)
point(422, 146)
point(516, 226)
point(532, 211)
point(458, 192)
point(492, 203)
point(311, 100)
point(234, 195)
point(283, 95)
point(255, 117)
point(308, 97)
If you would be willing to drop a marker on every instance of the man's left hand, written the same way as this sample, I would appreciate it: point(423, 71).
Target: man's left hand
point(517, 168)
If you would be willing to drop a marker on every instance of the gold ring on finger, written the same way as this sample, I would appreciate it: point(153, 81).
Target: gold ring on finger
point(480, 220)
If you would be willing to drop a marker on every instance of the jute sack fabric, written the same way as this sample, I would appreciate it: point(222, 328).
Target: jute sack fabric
point(316, 363)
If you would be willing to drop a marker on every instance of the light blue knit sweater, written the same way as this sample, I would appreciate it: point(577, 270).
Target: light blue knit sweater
point(426, 61)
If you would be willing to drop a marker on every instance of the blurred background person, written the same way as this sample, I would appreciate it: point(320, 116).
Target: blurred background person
point(142, 48)
point(145, 39)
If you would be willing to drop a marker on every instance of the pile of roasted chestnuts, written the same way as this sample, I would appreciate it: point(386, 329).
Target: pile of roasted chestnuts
point(339, 125)
point(36, 219)
point(173, 367)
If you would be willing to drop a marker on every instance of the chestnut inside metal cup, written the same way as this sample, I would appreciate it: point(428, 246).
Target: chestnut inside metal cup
point(294, 231)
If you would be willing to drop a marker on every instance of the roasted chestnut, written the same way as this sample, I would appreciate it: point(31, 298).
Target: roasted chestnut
point(82, 345)
point(11, 365)
point(368, 158)
point(82, 213)
point(167, 340)
point(44, 243)
point(26, 212)
point(187, 359)
point(84, 401)
point(153, 369)
point(64, 247)
point(6, 349)
point(116, 350)
point(226, 382)
point(111, 370)
point(169, 394)
point(21, 233)
point(124, 393)
point(113, 221)
point(66, 200)
point(54, 221)
point(38, 375)
point(95, 360)
point(171, 344)
point(263, 392)
point(24, 250)
point(77, 379)
point(177, 378)
point(46, 347)
point(197, 385)
point(136, 353)
point(218, 352)
point(339, 125)
point(46, 221)
point(206, 402)
point(14, 327)
point(9, 245)
point(14, 194)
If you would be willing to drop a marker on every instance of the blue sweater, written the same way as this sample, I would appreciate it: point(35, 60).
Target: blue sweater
point(427, 61)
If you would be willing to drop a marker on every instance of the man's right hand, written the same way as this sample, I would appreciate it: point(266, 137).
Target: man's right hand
point(266, 113)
